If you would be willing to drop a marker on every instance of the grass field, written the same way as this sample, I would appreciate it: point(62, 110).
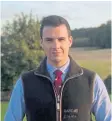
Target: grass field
point(96, 60)
point(4, 106)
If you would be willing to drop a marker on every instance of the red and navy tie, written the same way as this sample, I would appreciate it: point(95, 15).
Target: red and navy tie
point(58, 80)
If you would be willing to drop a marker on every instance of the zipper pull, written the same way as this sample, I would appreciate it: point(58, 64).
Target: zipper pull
point(58, 106)
point(58, 102)
point(58, 98)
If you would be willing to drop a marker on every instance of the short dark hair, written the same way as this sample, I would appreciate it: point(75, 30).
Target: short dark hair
point(54, 21)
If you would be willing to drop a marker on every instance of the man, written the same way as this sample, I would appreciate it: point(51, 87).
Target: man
point(59, 89)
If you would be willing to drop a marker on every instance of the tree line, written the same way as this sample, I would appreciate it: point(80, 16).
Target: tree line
point(93, 37)
point(21, 51)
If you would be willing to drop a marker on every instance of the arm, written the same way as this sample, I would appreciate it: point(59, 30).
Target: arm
point(101, 104)
point(16, 107)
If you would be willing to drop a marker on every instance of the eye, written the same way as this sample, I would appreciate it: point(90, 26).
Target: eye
point(61, 38)
point(48, 39)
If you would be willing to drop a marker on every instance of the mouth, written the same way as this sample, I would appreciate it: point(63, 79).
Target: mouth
point(56, 53)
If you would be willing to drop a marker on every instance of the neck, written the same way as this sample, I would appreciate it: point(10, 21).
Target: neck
point(58, 64)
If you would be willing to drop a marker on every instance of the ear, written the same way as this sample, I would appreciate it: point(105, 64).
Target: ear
point(70, 41)
point(41, 43)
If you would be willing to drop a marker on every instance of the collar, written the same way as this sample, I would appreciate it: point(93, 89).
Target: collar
point(73, 71)
point(64, 68)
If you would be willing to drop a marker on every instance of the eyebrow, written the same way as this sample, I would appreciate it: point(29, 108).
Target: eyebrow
point(48, 38)
point(54, 38)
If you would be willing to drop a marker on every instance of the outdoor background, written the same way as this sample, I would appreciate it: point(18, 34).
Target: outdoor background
point(20, 49)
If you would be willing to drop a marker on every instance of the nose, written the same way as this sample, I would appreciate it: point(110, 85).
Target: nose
point(56, 44)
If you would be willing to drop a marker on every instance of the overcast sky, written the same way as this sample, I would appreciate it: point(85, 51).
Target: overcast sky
point(79, 14)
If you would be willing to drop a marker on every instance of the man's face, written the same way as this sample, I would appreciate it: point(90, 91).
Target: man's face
point(56, 42)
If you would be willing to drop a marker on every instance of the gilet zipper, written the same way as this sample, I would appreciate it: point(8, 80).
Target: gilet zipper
point(58, 98)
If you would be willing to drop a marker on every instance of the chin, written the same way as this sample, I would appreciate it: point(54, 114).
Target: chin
point(57, 59)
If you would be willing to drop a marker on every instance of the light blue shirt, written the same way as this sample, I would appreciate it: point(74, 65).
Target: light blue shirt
point(101, 106)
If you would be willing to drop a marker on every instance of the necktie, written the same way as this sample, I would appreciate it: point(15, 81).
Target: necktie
point(58, 80)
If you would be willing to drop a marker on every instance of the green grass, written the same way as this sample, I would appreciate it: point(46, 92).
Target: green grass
point(102, 68)
point(4, 106)
point(96, 60)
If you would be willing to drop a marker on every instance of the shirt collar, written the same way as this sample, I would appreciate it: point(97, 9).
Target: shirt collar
point(64, 68)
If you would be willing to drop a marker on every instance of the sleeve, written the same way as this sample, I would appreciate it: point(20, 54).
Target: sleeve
point(16, 107)
point(101, 103)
